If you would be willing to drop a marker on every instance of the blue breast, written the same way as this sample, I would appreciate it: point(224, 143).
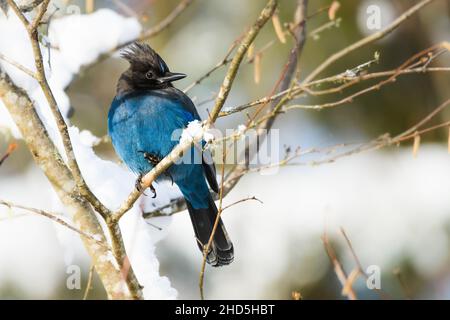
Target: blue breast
point(152, 122)
point(149, 122)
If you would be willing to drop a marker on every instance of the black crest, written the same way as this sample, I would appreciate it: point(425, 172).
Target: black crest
point(142, 57)
point(147, 70)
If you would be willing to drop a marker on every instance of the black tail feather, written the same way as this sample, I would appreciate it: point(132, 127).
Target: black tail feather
point(221, 251)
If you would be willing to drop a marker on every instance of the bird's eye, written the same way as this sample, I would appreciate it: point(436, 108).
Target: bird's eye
point(149, 75)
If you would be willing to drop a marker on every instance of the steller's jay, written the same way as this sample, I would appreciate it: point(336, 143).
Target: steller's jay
point(145, 112)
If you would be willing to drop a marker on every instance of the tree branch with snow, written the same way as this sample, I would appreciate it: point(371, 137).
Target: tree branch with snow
point(98, 195)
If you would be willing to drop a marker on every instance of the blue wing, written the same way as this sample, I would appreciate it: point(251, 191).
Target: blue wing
point(152, 121)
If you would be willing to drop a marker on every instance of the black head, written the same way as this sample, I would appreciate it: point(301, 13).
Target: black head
point(147, 69)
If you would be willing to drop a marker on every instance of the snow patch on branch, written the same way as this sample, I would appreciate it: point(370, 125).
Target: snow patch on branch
point(77, 40)
point(195, 130)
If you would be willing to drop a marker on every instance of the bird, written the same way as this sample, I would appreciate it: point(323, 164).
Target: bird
point(145, 112)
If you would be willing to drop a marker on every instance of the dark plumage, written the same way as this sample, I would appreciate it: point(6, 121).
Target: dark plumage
point(145, 113)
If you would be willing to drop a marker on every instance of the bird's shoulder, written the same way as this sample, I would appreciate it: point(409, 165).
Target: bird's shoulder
point(150, 101)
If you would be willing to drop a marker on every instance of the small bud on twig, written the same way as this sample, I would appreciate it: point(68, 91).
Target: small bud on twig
point(257, 68)
point(250, 52)
point(416, 144)
point(278, 28)
point(90, 6)
point(448, 139)
point(350, 280)
point(11, 148)
point(296, 295)
point(333, 10)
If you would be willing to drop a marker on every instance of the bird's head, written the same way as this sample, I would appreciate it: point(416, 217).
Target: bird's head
point(147, 69)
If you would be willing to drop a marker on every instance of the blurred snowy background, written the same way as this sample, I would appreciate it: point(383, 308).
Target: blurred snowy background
point(395, 208)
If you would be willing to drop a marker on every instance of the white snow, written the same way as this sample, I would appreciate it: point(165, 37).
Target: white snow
point(90, 36)
point(392, 206)
point(193, 130)
point(241, 129)
point(80, 39)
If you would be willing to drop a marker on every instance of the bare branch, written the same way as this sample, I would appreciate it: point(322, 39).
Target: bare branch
point(89, 282)
point(152, 32)
point(40, 14)
point(338, 269)
point(236, 61)
point(18, 66)
point(62, 126)
point(207, 246)
point(53, 217)
point(17, 11)
point(358, 262)
point(226, 60)
point(285, 81)
point(220, 64)
point(164, 24)
point(348, 81)
point(49, 160)
point(367, 40)
point(118, 247)
point(11, 148)
point(240, 201)
point(30, 6)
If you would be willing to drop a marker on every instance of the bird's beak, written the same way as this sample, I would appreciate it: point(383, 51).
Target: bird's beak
point(169, 77)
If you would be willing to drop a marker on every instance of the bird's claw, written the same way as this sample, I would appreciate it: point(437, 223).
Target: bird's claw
point(154, 160)
point(139, 187)
point(138, 184)
point(170, 176)
point(151, 158)
point(152, 188)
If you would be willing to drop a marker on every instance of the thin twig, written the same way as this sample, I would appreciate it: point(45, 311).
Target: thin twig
point(358, 262)
point(367, 40)
point(213, 232)
point(338, 269)
point(18, 66)
point(89, 282)
point(47, 157)
point(152, 32)
point(375, 87)
point(53, 217)
point(240, 201)
point(118, 247)
point(30, 6)
point(226, 60)
point(237, 59)
point(11, 148)
point(62, 126)
point(296, 91)
point(285, 81)
point(220, 64)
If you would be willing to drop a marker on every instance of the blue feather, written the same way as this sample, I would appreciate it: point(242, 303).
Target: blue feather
point(152, 122)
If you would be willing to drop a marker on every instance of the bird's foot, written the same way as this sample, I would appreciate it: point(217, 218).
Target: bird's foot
point(169, 175)
point(152, 188)
point(138, 186)
point(154, 160)
point(151, 158)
